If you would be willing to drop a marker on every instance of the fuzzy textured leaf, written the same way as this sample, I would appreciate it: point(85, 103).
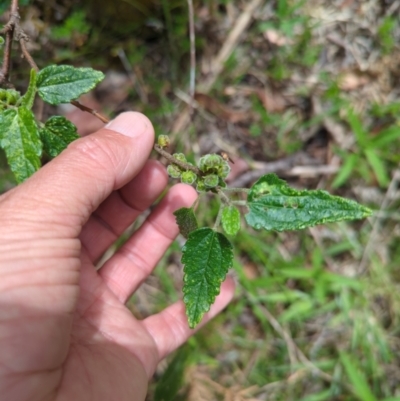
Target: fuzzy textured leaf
point(186, 220)
point(19, 137)
point(275, 206)
point(230, 220)
point(207, 256)
point(62, 83)
point(57, 134)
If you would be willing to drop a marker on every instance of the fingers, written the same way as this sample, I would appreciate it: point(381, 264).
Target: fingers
point(170, 329)
point(122, 208)
point(69, 188)
point(131, 265)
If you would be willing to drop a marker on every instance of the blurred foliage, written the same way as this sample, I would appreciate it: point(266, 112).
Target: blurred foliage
point(345, 323)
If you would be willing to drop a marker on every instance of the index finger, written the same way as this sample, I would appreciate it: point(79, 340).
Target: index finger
point(73, 184)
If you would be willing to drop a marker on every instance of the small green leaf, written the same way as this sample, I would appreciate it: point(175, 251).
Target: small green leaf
point(230, 220)
point(63, 83)
point(57, 134)
point(186, 220)
point(275, 206)
point(207, 256)
point(29, 97)
point(20, 140)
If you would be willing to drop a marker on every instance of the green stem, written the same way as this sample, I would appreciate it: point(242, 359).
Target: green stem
point(243, 190)
point(219, 216)
point(239, 203)
point(224, 197)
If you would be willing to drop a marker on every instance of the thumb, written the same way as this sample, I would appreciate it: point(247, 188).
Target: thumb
point(82, 176)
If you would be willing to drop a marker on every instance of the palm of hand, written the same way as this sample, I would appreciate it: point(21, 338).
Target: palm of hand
point(104, 361)
point(65, 333)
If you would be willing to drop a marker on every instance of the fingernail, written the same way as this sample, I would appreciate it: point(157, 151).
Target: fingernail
point(130, 124)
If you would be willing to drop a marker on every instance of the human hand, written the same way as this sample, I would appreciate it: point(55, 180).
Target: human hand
point(65, 333)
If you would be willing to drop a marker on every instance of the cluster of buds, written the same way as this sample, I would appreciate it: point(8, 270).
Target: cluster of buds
point(8, 97)
point(213, 171)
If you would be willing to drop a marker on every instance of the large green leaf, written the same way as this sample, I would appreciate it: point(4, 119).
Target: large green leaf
point(20, 141)
point(186, 220)
point(207, 256)
point(56, 134)
point(275, 206)
point(62, 83)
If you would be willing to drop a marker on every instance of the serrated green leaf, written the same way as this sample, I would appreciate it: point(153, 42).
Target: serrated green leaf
point(207, 256)
point(186, 220)
point(275, 206)
point(57, 134)
point(230, 220)
point(20, 141)
point(29, 97)
point(62, 83)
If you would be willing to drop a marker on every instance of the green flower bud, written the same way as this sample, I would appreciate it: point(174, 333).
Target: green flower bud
point(163, 141)
point(3, 94)
point(173, 171)
point(224, 170)
point(180, 156)
point(210, 163)
point(200, 187)
point(12, 96)
point(188, 177)
point(211, 181)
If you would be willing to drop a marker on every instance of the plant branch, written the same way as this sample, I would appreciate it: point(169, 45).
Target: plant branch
point(26, 54)
point(243, 190)
point(179, 163)
point(82, 107)
point(192, 52)
point(8, 30)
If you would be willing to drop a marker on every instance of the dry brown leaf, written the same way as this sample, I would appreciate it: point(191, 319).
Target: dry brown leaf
point(273, 102)
point(276, 38)
point(221, 111)
point(351, 81)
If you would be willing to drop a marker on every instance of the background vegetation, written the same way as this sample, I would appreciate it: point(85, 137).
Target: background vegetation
point(307, 89)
